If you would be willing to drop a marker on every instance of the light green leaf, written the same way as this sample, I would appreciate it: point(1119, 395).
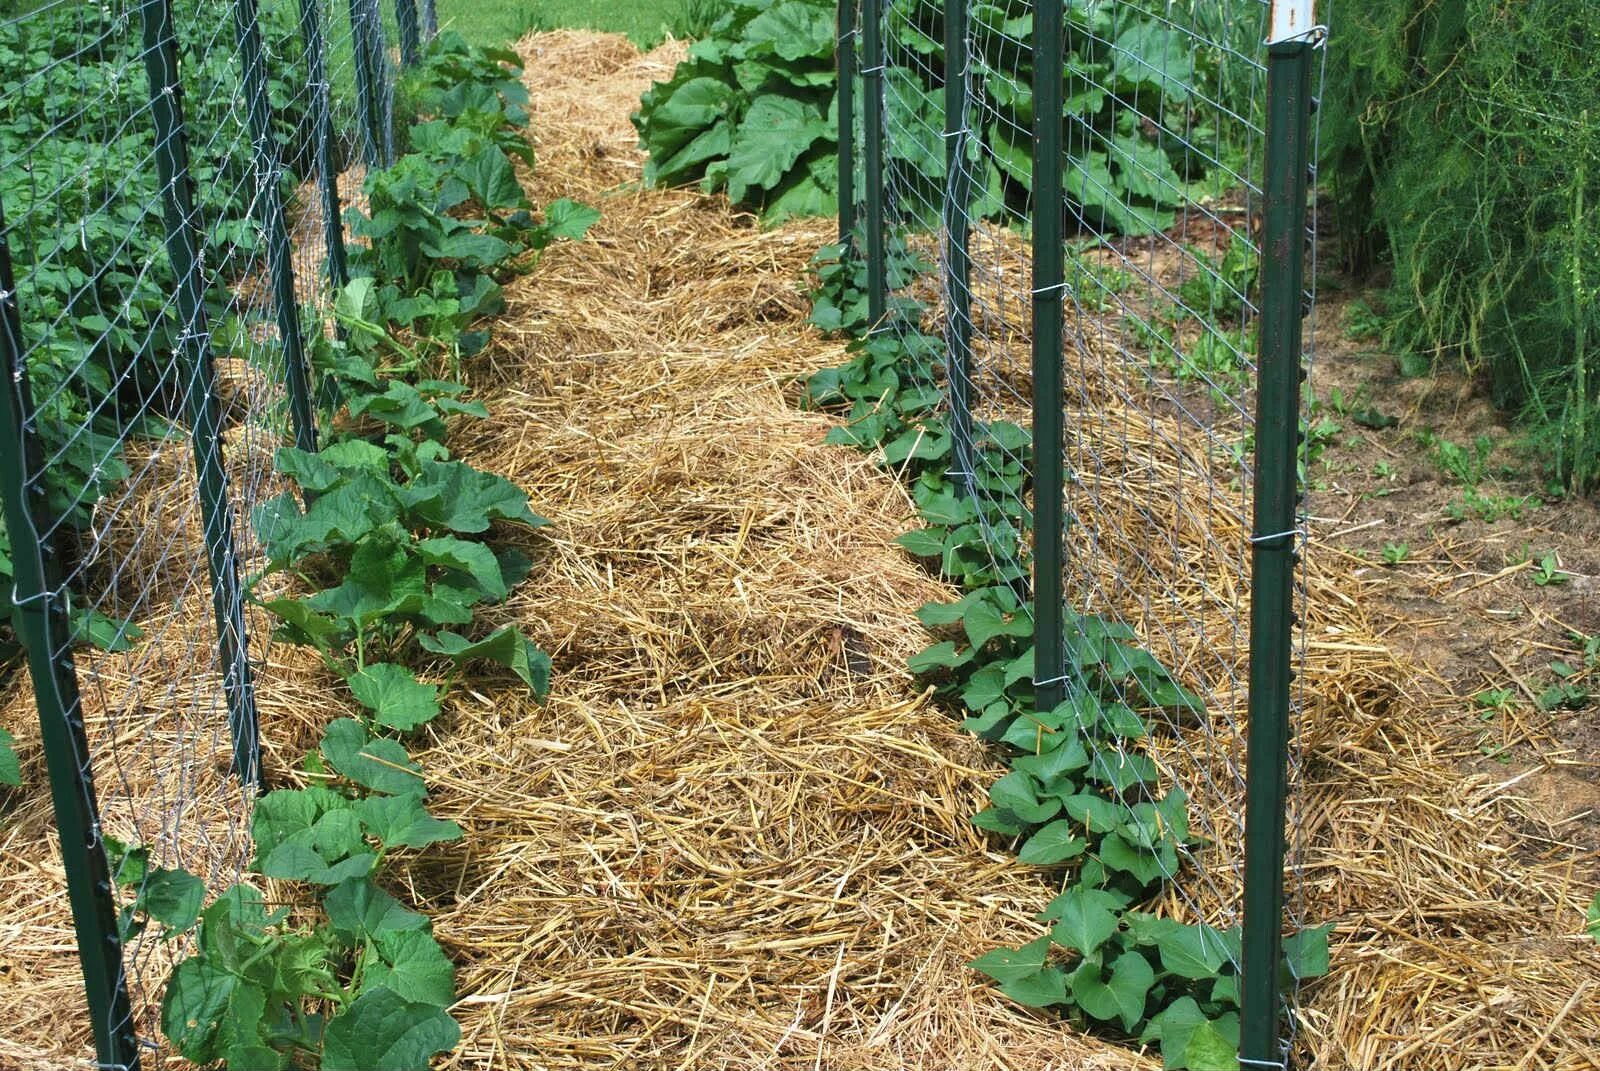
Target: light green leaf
point(942, 655)
point(1305, 954)
point(395, 696)
point(775, 132)
point(1193, 951)
point(1086, 918)
point(10, 766)
point(565, 218)
point(1006, 965)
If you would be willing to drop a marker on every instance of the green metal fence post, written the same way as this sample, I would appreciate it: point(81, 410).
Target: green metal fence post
point(1049, 668)
point(369, 100)
point(326, 139)
point(872, 86)
point(383, 84)
point(405, 17)
point(200, 391)
point(958, 260)
point(845, 57)
point(269, 198)
point(1273, 540)
point(41, 621)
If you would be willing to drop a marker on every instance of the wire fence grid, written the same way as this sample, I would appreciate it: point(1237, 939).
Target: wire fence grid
point(1104, 281)
point(172, 175)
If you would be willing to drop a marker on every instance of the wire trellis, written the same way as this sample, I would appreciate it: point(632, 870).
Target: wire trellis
point(1164, 137)
point(171, 174)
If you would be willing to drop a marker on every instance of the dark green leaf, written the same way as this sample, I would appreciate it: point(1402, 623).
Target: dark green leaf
point(381, 1031)
point(505, 647)
point(403, 822)
point(1054, 843)
point(374, 762)
point(358, 911)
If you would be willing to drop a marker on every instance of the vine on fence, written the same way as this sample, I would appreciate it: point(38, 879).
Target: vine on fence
point(752, 110)
point(1079, 798)
point(86, 233)
point(394, 539)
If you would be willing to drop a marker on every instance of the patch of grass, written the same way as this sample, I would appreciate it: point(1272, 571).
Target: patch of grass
point(499, 22)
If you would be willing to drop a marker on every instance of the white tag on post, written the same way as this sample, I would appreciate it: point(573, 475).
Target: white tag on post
point(1292, 20)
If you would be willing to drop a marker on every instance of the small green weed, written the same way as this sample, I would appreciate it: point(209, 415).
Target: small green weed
point(1547, 573)
point(1395, 553)
point(1362, 322)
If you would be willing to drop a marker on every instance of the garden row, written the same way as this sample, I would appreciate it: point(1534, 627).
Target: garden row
point(1080, 798)
point(394, 543)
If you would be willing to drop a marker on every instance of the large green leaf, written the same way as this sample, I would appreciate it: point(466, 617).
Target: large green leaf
point(373, 762)
point(358, 911)
point(454, 495)
point(794, 30)
point(474, 559)
point(382, 1031)
point(395, 696)
point(1120, 996)
point(196, 998)
point(1054, 843)
point(411, 963)
point(682, 112)
point(488, 173)
point(309, 834)
point(774, 133)
point(1085, 918)
point(1193, 951)
point(403, 822)
point(10, 767)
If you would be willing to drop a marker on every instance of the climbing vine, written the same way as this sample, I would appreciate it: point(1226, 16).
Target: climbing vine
point(394, 540)
point(1080, 797)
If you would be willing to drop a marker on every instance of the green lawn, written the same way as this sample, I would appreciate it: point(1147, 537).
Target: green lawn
point(502, 21)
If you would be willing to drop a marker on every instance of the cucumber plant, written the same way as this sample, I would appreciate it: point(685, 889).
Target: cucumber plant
point(1080, 797)
point(393, 540)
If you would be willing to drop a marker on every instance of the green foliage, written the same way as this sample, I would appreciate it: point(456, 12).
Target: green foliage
point(85, 232)
point(10, 767)
point(395, 539)
point(1081, 797)
point(752, 110)
point(1465, 141)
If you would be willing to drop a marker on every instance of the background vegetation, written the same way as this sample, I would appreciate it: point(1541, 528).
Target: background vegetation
point(1464, 138)
point(646, 22)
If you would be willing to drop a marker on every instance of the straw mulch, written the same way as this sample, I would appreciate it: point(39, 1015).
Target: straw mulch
point(737, 835)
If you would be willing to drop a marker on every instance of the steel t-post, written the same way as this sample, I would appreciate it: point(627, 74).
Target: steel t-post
point(1274, 555)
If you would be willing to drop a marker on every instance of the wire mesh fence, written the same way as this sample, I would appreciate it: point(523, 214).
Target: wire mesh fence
point(1103, 281)
point(170, 177)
